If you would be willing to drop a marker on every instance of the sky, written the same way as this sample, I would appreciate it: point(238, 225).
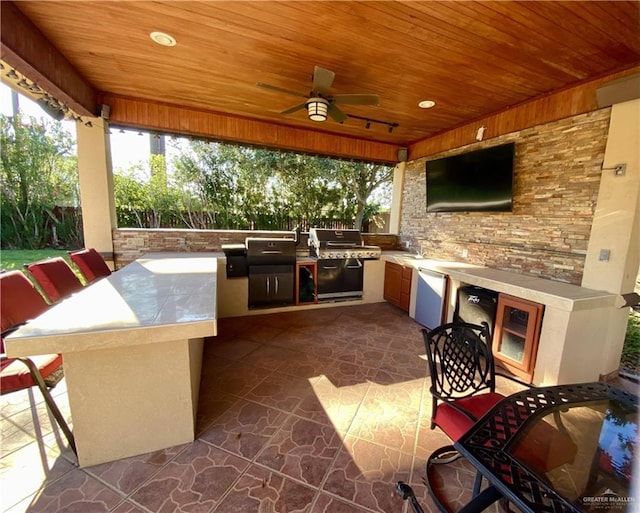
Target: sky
point(126, 148)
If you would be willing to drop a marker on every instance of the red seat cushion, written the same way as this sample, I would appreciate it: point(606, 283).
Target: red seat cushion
point(20, 300)
point(90, 263)
point(55, 277)
point(15, 375)
point(456, 424)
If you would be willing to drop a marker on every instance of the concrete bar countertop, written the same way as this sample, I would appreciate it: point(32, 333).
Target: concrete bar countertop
point(161, 296)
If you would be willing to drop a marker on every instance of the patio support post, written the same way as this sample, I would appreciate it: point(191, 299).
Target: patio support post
point(96, 186)
point(613, 254)
point(396, 198)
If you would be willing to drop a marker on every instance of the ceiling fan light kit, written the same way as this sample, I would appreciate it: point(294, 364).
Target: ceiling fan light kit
point(317, 108)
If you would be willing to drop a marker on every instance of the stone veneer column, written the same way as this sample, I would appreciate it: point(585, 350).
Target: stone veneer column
point(96, 186)
point(616, 223)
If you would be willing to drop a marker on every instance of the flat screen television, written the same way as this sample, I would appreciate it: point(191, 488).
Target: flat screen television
point(480, 180)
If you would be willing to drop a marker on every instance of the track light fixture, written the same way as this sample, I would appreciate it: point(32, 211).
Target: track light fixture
point(367, 122)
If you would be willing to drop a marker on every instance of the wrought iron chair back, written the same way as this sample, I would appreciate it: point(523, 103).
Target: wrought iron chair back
point(460, 361)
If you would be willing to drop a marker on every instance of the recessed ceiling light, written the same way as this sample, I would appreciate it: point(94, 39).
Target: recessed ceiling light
point(162, 39)
point(426, 104)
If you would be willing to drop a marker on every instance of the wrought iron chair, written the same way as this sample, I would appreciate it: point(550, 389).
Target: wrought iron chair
point(91, 264)
point(56, 278)
point(462, 375)
point(463, 389)
point(20, 303)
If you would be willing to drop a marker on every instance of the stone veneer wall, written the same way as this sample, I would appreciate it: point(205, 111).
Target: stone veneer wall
point(132, 243)
point(556, 180)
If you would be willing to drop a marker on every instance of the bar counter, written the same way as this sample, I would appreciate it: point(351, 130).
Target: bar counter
point(132, 349)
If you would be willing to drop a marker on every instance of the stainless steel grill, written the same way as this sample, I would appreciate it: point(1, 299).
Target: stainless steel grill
point(335, 244)
point(340, 270)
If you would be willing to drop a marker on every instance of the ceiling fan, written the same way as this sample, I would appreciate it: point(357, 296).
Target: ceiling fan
point(319, 103)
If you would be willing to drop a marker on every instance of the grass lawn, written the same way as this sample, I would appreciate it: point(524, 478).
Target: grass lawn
point(11, 259)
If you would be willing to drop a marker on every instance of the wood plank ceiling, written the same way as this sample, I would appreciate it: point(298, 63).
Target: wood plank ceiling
point(472, 58)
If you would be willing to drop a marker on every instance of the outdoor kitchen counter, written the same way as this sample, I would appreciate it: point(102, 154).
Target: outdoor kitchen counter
point(132, 348)
point(553, 293)
point(576, 320)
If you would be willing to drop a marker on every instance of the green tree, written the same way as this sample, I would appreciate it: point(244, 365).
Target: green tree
point(303, 185)
point(130, 199)
point(144, 196)
point(209, 171)
point(361, 179)
point(263, 189)
point(38, 171)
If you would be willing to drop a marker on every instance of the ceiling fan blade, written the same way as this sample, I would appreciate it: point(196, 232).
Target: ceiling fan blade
point(356, 99)
point(295, 108)
point(281, 90)
point(337, 114)
point(322, 80)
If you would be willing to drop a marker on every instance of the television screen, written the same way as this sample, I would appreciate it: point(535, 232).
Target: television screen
point(480, 180)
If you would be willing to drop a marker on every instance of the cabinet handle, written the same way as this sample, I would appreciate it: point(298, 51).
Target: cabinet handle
point(357, 266)
point(268, 286)
point(277, 285)
point(329, 266)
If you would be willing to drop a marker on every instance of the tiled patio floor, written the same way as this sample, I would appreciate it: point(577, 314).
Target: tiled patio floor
point(310, 411)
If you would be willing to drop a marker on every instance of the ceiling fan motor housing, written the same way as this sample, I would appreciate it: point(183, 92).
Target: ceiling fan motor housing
point(317, 108)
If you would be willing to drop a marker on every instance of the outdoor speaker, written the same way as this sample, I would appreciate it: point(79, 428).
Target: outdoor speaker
point(402, 155)
point(104, 111)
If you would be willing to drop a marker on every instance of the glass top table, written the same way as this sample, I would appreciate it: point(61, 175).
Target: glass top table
point(566, 448)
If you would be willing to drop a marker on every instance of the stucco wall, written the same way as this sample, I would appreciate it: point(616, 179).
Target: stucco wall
point(556, 181)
